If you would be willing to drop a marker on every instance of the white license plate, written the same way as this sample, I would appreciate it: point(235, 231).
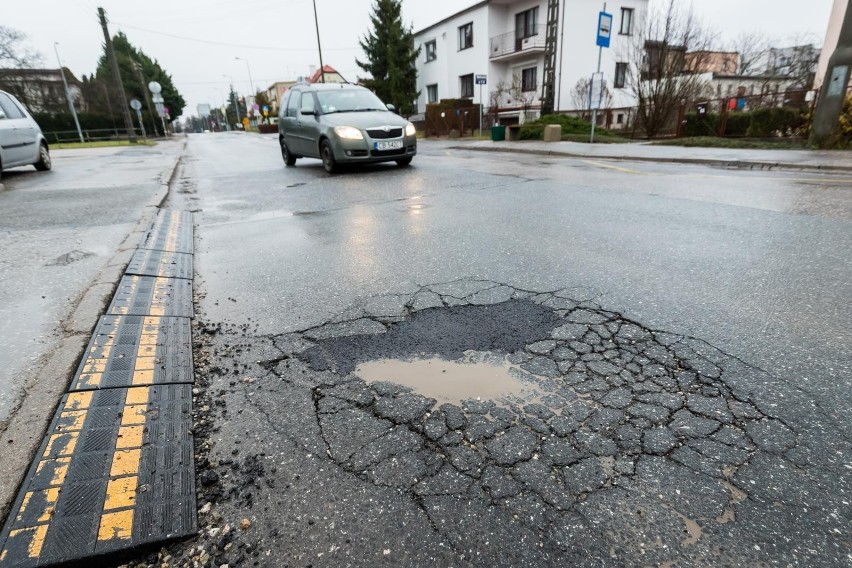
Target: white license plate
point(389, 145)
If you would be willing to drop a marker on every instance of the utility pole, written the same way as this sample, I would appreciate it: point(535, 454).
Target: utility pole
point(128, 124)
point(550, 47)
point(833, 91)
point(138, 68)
point(67, 92)
point(319, 44)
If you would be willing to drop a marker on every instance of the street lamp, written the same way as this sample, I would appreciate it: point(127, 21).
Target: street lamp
point(67, 92)
point(249, 73)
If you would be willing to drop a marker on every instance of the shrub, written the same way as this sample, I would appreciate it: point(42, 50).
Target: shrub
point(767, 122)
point(571, 125)
point(738, 123)
point(706, 124)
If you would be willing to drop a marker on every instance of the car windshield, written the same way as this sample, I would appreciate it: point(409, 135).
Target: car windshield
point(348, 100)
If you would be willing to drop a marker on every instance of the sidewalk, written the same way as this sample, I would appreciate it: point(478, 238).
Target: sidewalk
point(644, 152)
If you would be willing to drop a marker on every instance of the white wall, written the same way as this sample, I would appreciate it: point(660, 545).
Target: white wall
point(832, 35)
point(578, 58)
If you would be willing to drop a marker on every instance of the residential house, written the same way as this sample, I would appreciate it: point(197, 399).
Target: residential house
point(329, 75)
point(42, 90)
point(275, 94)
point(505, 40)
point(725, 62)
point(798, 62)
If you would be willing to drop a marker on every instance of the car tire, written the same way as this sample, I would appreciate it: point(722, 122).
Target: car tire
point(289, 159)
point(403, 162)
point(44, 163)
point(327, 155)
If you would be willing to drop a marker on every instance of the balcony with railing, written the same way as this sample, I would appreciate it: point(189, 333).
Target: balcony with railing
point(517, 43)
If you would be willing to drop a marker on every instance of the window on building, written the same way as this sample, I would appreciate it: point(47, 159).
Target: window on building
point(528, 79)
point(525, 23)
point(620, 75)
point(466, 86)
point(626, 21)
point(431, 51)
point(619, 118)
point(466, 36)
point(432, 93)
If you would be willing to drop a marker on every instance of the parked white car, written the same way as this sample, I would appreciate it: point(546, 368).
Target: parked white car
point(21, 140)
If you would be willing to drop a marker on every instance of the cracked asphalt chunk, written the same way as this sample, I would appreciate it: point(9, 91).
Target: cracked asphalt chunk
point(623, 443)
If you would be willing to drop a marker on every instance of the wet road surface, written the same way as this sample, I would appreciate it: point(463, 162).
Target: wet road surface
point(680, 335)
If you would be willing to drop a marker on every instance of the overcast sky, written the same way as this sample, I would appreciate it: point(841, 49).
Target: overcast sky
point(197, 40)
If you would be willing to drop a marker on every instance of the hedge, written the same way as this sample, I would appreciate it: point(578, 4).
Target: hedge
point(571, 125)
point(766, 122)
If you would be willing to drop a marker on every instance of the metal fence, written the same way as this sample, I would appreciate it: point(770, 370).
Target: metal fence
point(89, 135)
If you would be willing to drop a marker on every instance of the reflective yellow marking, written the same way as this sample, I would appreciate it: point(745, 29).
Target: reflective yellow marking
point(129, 437)
point(36, 543)
point(78, 400)
point(61, 444)
point(93, 366)
point(71, 420)
point(125, 462)
point(143, 363)
point(137, 396)
point(611, 167)
point(157, 310)
point(51, 496)
point(60, 470)
point(143, 377)
point(151, 324)
point(134, 415)
point(121, 493)
point(148, 350)
point(116, 525)
point(90, 380)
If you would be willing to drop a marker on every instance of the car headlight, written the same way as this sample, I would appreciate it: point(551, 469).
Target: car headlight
point(410, 130)
point(348, 133)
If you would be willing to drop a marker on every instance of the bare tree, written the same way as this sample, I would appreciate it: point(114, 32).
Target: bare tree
point(13, 54)
point(752, 49)
point(495, 98)
point(525, 98)
point(657, 73)
point(581, 98)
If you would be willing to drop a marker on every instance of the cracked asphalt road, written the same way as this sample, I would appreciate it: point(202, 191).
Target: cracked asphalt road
point(691, 404)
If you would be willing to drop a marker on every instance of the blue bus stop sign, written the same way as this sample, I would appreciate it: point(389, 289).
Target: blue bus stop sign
point(604, 29)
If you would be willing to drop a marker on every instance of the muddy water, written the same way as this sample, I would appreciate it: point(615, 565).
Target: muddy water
point(476, 376)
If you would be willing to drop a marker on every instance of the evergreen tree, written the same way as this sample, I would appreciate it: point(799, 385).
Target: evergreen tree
point(128, 58)
point(391, 56)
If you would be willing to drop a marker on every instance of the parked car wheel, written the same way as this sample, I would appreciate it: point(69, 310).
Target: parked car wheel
point(289, 158)
point(44, 162)
point(328, 161)
point(403, 162)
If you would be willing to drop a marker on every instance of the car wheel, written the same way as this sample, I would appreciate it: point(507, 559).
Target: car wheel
point(43, 163)
point(328, 161)
point(289, 158)
point(402, 162)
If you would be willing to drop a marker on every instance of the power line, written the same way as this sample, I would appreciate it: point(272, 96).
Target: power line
point(225, 44)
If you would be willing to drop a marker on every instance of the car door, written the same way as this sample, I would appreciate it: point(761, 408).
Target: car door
point(290, 126)
point(11, 133)
point(308, 125)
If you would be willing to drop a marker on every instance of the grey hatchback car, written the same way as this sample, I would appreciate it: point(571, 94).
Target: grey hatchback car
point(342, 123)
point(21, 140)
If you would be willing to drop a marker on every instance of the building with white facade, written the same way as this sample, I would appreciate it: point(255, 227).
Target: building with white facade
point(505, 40)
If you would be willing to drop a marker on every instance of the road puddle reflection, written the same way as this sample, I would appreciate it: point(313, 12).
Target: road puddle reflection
point(475, 376)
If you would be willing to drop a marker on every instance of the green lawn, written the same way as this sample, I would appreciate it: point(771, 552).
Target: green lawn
point(747, 143)
point(100, 144)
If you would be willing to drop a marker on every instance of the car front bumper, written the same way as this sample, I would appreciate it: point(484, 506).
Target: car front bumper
point(365, 150)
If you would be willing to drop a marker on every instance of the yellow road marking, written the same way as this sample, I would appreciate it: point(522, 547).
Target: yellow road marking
point(611, 167)
point(71, 420)
point(125, 462)
point(36, 543)
point(60, 471)
point(134, 415)
point(61, 444)
point(143, 377)
point(137, 396)
point(116, 525)
point(121, 493)
point(78, 400)
point(129, 437)
point(51, 496)
point(143, 362)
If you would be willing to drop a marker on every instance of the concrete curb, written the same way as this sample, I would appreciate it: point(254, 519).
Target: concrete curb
point(29, 421)
point(740, 164)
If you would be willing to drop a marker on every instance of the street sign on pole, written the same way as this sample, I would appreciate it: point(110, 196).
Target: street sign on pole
point(481, 80)
point(604, 28)
point(136, 105)
point(596, 91)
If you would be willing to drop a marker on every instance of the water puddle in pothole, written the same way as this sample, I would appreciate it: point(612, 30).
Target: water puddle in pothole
point(475, 376)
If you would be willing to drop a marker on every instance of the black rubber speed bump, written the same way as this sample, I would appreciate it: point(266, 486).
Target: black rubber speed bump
point(165, 264)
point(171, 231)
point(149, 295)
point(115, 471)
point(136, 350)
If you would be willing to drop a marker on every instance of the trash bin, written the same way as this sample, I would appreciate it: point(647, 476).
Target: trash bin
point(498, 133)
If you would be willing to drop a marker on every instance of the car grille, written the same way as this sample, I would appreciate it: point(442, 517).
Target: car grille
point(379, 133)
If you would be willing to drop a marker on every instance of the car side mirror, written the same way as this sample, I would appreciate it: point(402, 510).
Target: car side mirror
point(309, 112)
point(391, 107)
